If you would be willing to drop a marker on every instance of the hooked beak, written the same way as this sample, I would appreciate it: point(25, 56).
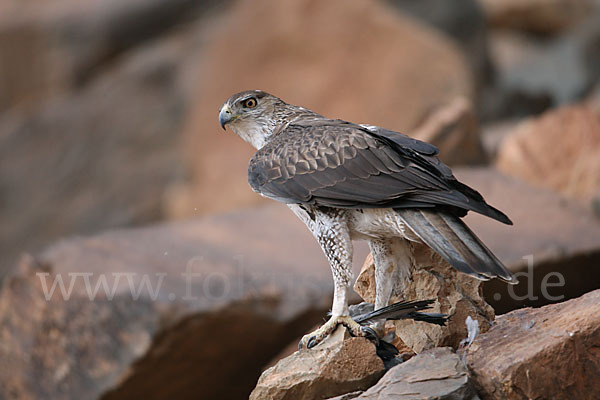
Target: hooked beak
point(225, 116)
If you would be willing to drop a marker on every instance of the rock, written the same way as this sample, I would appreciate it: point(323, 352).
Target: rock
point(546, 353)
point(561, 70)
point(464, 21)
point(454, 130)
point(546, 225)
point(300, 51)
point(551, 235)
point(457, 294)
point(537, 16)
point(559, 150)
point(66, 349)
point(74, 41)
point(184, 307)
point(534, 73)
point(434, 374)
point(347, 396)
point(494, 133)
point(95, 159)
point(339, 365)
point(501, 103)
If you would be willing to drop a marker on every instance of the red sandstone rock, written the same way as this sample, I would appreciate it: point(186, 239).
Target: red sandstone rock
point(545, 353)
point(338, 365)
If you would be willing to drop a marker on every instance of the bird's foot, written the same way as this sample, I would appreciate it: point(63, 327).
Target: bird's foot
point(314, 338)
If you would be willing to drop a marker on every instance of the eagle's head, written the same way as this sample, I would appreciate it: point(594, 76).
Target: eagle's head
point(252, 115)
point(256, 116)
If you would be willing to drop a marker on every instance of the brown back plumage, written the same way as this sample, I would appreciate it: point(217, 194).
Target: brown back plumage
point(334, 163)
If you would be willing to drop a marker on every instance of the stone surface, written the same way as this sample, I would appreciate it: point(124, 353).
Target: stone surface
point(494, 133)
point(457, 294)
point(454, 130)
point(538, 16)
point(432, 375)
point(347, 396)
point(95, 159)
point(74, 41)
point(185, 307)
point(559, 150)
point(339, 365)
point(556, 234)
point(534, 73)
point(563, 69)
point(300, 52)
point(551, 352)
point(464, 21)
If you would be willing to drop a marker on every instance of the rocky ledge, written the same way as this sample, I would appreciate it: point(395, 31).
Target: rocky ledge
point(550, 352)
point(235, 293)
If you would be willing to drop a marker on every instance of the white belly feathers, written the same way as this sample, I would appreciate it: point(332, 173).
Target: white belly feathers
point(378, 223)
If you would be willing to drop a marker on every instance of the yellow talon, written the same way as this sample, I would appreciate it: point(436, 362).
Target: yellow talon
point(312, 339)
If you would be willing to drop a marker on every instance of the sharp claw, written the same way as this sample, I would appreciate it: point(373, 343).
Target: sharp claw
point(370, 334)
point(314, 338)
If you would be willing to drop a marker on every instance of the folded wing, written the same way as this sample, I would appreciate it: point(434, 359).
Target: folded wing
point(338, 164)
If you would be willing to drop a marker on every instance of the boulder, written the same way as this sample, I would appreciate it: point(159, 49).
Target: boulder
point(73, 41)
point(537, 16)
point(99, 158)
point(553, 246)
point(545, 353)
point(339, 365)
point(559, 150)
point(432, 375)
point(301, 52)
point(559, 71)
point(462, 20)
point(168, 311)
point(494, 133)
point(347, 396)
point(534, 74)
point(454, 130)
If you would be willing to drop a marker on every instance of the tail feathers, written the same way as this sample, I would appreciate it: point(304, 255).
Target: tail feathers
point(448, 236)
point(432, 318)
point(478, 204)
point(394, 311)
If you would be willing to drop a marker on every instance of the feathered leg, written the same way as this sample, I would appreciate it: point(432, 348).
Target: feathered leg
point(331, 231)
point(392, 259)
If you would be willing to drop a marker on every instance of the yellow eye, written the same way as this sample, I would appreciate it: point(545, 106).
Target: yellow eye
point(250, 103)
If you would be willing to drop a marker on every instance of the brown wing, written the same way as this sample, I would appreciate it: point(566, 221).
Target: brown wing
point(338, 164)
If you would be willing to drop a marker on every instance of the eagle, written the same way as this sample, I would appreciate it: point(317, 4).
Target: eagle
point(349, 181)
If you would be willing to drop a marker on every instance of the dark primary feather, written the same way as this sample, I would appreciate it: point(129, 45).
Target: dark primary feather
point(456, 243)
point(403, 310)
point(334, 163)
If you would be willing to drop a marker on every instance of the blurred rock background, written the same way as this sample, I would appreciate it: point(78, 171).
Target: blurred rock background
point(108, 119)
point(107, 107)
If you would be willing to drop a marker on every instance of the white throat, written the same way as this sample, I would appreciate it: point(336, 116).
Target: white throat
point(254, 134)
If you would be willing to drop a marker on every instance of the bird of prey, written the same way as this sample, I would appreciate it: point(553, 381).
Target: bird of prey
point(347, 181)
